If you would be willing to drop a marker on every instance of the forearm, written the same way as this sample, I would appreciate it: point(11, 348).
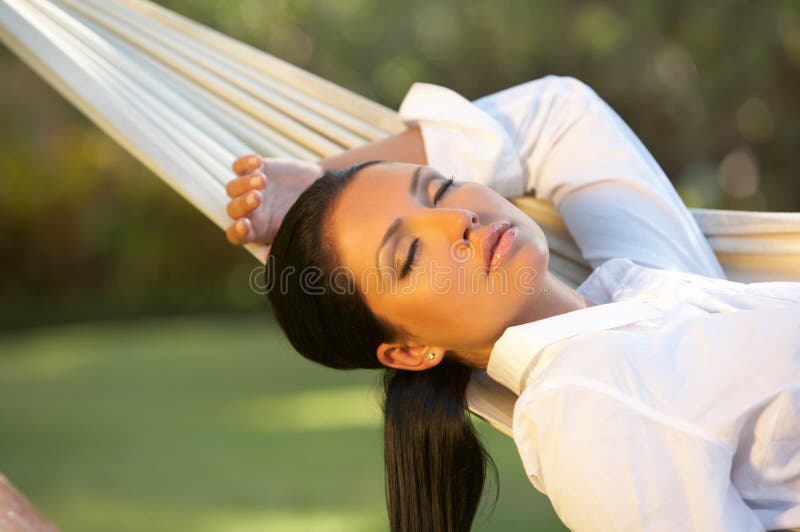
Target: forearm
point(405, 147)
point(283, 180)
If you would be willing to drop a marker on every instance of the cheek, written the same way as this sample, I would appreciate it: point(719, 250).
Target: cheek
point(443, 302)
point(530, 274)
point(411, 306)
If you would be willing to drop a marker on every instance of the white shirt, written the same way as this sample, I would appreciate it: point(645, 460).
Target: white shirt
point(674, 404)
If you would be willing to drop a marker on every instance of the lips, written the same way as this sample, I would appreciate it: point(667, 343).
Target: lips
point(490, 241)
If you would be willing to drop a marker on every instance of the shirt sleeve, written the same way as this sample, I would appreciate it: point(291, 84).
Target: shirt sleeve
point(557, 139)
point(607, 465)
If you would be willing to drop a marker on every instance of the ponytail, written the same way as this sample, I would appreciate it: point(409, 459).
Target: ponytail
point(435, 463)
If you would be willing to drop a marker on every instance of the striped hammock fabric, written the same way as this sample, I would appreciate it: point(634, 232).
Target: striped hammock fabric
point(187, 100)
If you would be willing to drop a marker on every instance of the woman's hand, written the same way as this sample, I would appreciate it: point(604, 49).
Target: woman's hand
point(262, 194)
point(265, 188)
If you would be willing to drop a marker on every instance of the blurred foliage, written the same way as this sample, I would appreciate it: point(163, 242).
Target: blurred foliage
point(710, 87)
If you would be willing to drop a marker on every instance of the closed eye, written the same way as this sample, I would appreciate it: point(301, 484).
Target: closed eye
point(442, 189)
point(410, 258)
point(410, 261)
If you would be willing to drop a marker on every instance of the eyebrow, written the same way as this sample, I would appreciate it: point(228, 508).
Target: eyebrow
point(414, 180)
point(395, 225)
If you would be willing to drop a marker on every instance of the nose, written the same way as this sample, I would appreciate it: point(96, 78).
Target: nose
point(455, 223)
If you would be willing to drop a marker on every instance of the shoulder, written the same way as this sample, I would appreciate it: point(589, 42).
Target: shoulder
point(543, 108)
point(563, 87)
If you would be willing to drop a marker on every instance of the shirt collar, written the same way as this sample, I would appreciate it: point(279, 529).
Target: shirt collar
point(516, 352)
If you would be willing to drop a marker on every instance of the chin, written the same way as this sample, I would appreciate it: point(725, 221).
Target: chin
point(534, 238)
point(532, 254)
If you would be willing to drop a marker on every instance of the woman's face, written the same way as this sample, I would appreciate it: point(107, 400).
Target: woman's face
point(421, 253)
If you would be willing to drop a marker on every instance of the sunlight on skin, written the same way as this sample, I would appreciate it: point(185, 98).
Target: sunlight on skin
point(326, 409)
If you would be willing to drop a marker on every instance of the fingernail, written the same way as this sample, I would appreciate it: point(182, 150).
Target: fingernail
point(252, 199)
point(241, 227)
point(255, 181)
point(252, 161)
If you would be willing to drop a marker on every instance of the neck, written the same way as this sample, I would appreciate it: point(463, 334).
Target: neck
point(554, 298)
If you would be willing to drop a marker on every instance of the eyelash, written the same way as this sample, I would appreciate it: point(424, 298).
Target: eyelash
point(412, 250)
point(442, 189)
point(410, 262)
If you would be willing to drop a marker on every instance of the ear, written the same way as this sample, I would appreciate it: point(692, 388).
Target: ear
point(411, 358)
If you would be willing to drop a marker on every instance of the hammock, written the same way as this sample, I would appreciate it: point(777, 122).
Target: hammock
point(187, 100)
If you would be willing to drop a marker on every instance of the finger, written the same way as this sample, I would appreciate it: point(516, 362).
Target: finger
point(241, 206)
point(240, 232)
point(246, 164)
point(234, 234)
point(242, 185)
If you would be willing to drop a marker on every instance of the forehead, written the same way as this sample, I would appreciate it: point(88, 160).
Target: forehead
point(373, 199)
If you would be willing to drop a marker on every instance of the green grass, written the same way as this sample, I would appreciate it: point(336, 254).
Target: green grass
point(205, 424)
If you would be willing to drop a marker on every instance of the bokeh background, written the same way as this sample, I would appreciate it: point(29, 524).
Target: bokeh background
point(143, 386)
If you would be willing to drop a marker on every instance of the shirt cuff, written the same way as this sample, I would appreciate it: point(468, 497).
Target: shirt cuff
point(463, 141)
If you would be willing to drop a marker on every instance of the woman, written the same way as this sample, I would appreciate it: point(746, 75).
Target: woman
point(656, 396)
